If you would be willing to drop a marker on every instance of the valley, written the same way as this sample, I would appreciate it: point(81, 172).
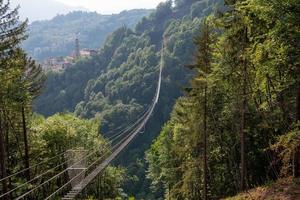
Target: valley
point(195, 99)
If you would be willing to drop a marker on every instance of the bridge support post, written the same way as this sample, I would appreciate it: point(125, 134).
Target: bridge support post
point(76, 164)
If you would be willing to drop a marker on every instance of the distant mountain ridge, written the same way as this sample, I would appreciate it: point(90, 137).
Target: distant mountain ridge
point(56, 37)
point(42, 9)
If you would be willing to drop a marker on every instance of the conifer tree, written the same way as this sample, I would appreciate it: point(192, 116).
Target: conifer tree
point(12, 32)
point(203, 67)
point(236, 43)
point(20, 81)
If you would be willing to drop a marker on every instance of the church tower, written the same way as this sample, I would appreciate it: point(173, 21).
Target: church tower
point(77, 50)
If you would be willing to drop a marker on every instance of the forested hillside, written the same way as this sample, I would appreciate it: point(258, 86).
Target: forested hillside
point(117, 85)
point(211, 88)
point(35, 152)
point(237, 127)
point(56, 37)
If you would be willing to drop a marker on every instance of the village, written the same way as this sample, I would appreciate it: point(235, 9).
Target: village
point(61, 63)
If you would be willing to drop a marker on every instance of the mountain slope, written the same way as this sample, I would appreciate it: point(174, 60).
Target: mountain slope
point(56, 37)
point(119, 83)
point(283, 189)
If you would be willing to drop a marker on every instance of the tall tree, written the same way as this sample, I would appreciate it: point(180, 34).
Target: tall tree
point(31, 83)
point(275, 51)
point(253, 99)
point(236, 42)
point(12, 32)
point(203, 67)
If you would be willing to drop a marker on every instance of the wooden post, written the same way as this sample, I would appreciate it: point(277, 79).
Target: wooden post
point(76, 160)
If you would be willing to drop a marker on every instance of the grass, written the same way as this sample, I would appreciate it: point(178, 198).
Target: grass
point(283, 189)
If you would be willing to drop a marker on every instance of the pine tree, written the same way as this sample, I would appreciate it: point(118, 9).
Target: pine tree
point(275, 55)
point(20, 81)
point(235, 42)
point(31, 83)
point(203, 67)
point(12, 32)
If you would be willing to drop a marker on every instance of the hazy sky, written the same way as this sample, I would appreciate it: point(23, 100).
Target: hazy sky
point(111, 6)
point(47, 9)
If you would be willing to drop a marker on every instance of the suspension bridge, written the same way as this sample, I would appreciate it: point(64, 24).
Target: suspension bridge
point(83, 169)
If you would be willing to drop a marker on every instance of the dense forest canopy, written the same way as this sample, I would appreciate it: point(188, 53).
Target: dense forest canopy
point(115, 71)
point(117, 85)
point(128, 58)
point(227, 120)
point(33, 150)
point(237, 127)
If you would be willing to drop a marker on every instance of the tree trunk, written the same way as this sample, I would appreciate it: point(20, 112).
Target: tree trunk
point(242, 131)
point(7, 156)
point(205, 144)
point(296, 156)
point(206, 71)
point(243, 117)
point(242, 138)
point(26, 158)
point(2, 159)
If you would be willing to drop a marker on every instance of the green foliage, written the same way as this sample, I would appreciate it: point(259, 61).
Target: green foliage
point(29, 140)
point(286, 146)
point(20, 82)
point(255, 73)
point(72, 82)
point(118, 84)
point(12, 31)
point(61, 132)
point(171, 157)
point(48, 38)
point(108, 185)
